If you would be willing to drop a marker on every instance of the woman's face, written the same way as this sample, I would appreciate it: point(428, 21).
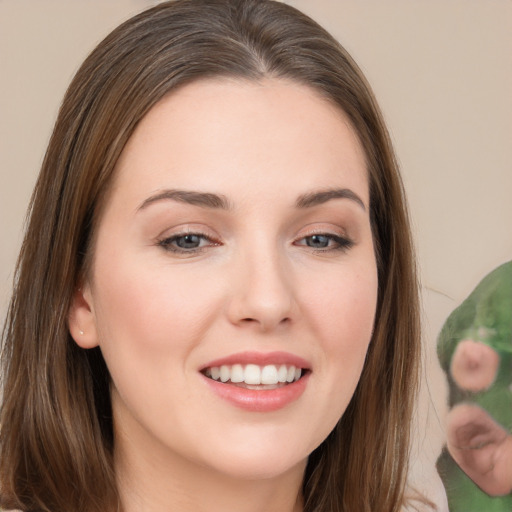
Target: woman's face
point(235, 248)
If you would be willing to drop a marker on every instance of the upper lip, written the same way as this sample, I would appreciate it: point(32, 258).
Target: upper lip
point(260, 359)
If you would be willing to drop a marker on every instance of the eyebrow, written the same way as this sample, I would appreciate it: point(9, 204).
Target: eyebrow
point(216, 201)
point(323, 196)
point(202, 199)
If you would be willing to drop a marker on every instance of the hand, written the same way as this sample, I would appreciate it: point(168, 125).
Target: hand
point(481, 447)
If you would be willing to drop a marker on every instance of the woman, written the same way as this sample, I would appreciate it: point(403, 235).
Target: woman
point(216, 302)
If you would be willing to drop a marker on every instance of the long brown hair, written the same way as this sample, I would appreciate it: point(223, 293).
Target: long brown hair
point(56, 438)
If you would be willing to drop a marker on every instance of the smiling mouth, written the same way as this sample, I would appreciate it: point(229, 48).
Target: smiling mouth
point(252, 376)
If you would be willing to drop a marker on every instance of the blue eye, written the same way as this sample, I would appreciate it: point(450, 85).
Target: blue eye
point(190, 241)
point(186, 242)
point(326, 242)
point(318, 241)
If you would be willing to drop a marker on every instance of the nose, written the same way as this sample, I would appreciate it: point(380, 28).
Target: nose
point(263, 296)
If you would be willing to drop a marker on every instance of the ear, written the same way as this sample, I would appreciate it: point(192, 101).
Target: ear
point(81, 318)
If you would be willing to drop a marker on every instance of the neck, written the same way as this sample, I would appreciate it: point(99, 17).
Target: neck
point(168, 483)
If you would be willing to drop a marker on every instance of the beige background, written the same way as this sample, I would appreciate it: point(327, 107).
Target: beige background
point(442, 71)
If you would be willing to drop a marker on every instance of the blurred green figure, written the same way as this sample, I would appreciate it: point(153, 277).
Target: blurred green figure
point(475, 351)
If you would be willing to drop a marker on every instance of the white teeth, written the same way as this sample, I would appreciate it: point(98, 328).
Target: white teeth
point(269, 374)
point(225, 374)
point(282, 373)
point(255, 375)
point(252, 374)
point(291, 374)
point(237, 373)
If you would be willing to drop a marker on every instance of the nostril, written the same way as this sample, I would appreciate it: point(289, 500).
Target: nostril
point(261, 307)
point(265, 324)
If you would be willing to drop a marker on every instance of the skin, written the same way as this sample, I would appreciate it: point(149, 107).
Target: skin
point(481, 447)
point(255, 284)
point(474, 365)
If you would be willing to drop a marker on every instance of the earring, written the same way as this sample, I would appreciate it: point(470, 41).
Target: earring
point(81, 332)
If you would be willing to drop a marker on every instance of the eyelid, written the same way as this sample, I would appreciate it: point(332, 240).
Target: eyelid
point(323, 229)
point(187, 228)
point(165, 241)
point(344, 242)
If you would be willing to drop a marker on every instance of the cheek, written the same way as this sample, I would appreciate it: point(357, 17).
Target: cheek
point(150, 312)
point(345, 313)
point(150, 318)
point(343, 309)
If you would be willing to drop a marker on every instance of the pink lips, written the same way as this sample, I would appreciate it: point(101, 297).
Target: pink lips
point(260, 400)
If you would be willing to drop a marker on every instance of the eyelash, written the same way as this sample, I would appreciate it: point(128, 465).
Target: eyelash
point(342, 244)
point(167, 243)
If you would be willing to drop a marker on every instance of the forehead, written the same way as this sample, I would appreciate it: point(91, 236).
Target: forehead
point(216, 133)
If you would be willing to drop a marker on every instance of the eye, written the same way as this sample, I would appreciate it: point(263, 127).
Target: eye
point(325, 242)
point(187, 243)
point(318, 241)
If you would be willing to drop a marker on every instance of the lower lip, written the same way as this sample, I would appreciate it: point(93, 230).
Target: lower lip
point(265, 400)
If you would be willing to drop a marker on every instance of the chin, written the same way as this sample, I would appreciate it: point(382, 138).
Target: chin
point(261, 457)
point(257, 467)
